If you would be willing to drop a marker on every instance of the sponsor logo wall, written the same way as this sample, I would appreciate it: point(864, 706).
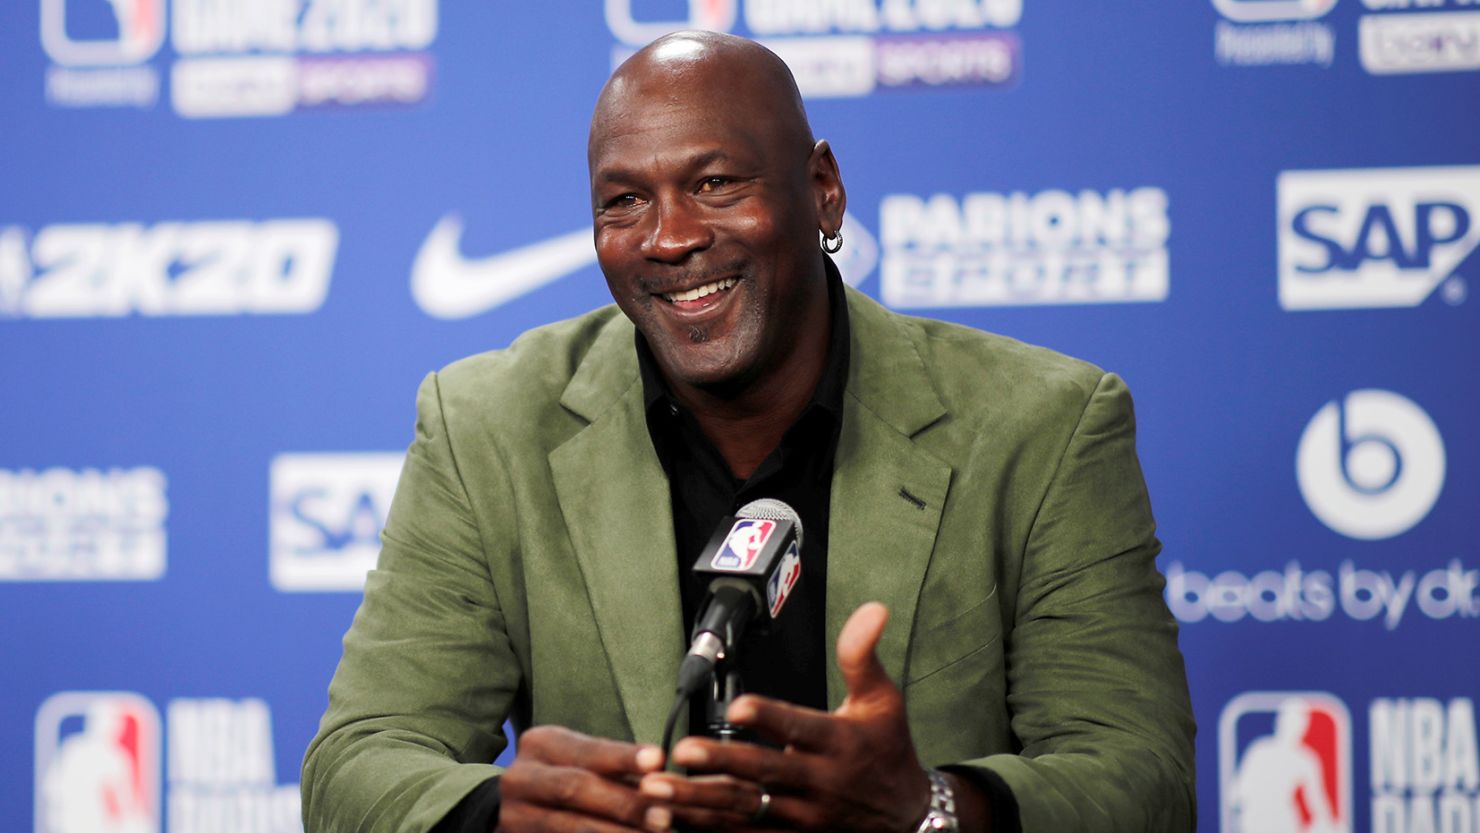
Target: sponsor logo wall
point(236, 235)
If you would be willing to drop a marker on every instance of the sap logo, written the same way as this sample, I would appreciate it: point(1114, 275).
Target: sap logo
point(228, 267)
point(1284, 764)
point(326, 517)
point(1373, 238)
point(1266, 11)
point(97, 764)
point(137, 31)
point(1372, 466)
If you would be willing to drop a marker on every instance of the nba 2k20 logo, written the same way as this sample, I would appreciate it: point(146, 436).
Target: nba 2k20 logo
point(1370, 466)
point(97, 764)
point(1284, 764)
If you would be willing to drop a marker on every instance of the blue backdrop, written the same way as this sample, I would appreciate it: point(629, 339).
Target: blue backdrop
point(234, 235)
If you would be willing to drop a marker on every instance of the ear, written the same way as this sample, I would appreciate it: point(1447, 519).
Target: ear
point(829, 197)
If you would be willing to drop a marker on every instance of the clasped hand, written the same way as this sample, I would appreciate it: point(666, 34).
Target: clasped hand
point(851, 769)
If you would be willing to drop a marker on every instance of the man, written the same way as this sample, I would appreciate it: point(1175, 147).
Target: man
point(985, 491)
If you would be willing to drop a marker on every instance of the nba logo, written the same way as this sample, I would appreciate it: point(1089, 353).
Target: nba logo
point(1284, 763)
point(97, 763)
point(84, 33)
point(743, 545)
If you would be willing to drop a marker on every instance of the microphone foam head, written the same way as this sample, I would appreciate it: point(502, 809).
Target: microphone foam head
point(771, 509)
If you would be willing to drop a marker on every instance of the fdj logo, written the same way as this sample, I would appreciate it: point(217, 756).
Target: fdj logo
point(82, 33)
point(1372, 466)
point(97, 764)
point(1284, 764)
point(1373, 238)
point(743, 545)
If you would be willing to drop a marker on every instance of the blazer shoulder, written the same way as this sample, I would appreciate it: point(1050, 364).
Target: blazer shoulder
point(975, 371)
point(523, 383)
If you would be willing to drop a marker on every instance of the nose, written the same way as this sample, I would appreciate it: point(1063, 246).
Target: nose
point(678, 229)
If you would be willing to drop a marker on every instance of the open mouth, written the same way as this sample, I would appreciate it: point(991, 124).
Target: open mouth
point(691, 297)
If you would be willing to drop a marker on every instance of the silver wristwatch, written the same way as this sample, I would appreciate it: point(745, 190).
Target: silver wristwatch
point(941, 816)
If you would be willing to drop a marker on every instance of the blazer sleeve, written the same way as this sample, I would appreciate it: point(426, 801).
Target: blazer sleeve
point(1097, 691)
point(428, 675)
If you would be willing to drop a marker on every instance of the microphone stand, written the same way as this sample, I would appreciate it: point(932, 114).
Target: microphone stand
point(725, 686)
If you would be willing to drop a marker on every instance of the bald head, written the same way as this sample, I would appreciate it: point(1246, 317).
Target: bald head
point(685, 67)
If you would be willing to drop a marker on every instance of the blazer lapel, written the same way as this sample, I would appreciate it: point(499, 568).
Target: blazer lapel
point(887, 493)
point(614, 498)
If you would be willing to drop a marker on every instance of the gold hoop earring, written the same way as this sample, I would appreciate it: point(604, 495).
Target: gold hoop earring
point(833, 245)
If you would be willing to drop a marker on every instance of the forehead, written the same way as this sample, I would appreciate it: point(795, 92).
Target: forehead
point(665, 132)
point(670, 116)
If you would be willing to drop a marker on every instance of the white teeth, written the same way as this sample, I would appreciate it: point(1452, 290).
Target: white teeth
point(699, 292)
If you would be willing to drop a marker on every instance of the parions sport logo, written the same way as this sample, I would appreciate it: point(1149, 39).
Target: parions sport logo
point(1050, 247)
point(1380, 237)
point(99, 766)
point(1285, 764)
point(238, 57)
point(848, 48)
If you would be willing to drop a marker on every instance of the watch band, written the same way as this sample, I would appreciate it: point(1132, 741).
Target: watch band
point(941, 815)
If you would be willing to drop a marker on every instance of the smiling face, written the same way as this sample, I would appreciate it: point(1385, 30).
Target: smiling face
point(708, 193)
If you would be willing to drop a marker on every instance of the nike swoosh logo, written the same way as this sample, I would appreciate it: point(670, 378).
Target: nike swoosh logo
point(447, 285)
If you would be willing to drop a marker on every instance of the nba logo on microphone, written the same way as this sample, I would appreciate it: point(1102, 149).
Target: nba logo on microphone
point(1284, 763)
point(743, 545)
point(97, 764)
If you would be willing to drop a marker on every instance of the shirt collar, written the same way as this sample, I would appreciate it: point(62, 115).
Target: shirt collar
point(829, 392)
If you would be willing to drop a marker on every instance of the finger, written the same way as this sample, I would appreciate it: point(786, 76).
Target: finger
point(772, 768)
point(718, 792)
point(515, 817)
point(784, 723)
point(559, 746)
point(576, 791)
point(863, 674)
point(782, 813)
point(719, 801)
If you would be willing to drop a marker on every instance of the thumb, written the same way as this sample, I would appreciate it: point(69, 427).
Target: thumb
point(863, 674)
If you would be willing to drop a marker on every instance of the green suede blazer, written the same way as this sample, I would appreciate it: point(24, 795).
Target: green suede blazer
point(528, 571)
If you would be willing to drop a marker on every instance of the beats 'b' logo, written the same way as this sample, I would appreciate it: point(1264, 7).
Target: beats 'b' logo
point(1284, 763)
point(1372, 466)
point(97, 763)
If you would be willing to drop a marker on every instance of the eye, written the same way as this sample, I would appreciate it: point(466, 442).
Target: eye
point(713, 183)
point(621, 201)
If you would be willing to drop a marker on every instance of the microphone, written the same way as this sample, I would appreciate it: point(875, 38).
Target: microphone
point(754, 559)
